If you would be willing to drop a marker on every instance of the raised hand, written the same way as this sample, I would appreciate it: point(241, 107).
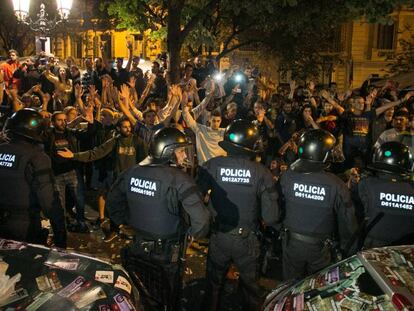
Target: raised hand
point(129, 45)
point(175, 90)
point(93, 93)
point(325, 94)
point(78, 91)
point(124, 92)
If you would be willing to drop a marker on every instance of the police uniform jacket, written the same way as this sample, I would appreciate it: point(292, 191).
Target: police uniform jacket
point(242, 192)
point(318, 204)
point(27, 188)
point(393, 198)
point(148, 199)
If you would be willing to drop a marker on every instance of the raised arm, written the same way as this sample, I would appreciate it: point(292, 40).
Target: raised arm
point(129, 47)
point(188, 118)
point(292, 85)
point(16, 103)
point(198, 110)
point(175, 99)
point(329, 99)
point(78, 97)
point(124, 103)
point(387, 106)
point(51, 77)
point(103, 55)
point(90, 155)
point(147, 89)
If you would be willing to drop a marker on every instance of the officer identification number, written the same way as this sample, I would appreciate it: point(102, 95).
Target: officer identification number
point(8, 160)
point(235, 175)
point(143, 186)
point(310, 192)
point(400, 201)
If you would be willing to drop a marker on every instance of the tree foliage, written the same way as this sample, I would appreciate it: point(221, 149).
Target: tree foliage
point(299, 32)
point(404, 59)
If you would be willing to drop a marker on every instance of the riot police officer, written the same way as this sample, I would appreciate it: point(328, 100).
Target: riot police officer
point(148, 197)
point(27, 182)
point(317, 205)
point(388, 196)
point(242, 194)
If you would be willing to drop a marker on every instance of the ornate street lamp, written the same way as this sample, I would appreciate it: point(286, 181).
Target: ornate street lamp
point(42, 25)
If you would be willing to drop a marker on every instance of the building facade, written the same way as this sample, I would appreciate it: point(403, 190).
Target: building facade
point(89, 28)
point(365, 49)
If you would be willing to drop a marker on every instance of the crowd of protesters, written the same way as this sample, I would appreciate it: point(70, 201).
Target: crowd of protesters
point(103, 116)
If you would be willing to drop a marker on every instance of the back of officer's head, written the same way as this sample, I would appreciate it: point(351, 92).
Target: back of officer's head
point(315, 145)
point(392, 158)
point(26, 123)
point(241, 138)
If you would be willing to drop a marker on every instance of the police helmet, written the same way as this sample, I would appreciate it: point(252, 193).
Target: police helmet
point(162, 146)
point(241, 137)
point(392, 157)
point(314, 148)
point(27, 123)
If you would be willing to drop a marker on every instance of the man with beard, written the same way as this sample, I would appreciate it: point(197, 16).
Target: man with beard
point(86, 79)
point(357, 122)
point(9, 67)
point(97, 74)
point(137, 73)
point(66, 173)
point(29, 75)
point(127, 149)
point(399, 128)
point(159, 85)
point(286, 123)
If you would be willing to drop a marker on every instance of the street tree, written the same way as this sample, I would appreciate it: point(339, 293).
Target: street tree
point(301, 33)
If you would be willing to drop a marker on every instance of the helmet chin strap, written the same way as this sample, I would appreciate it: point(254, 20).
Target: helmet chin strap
point(187, 164)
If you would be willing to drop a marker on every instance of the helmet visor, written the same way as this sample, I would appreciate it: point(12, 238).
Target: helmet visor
point(184, 156)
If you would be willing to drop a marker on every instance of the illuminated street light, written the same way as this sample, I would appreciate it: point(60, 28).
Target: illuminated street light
point(42, 25)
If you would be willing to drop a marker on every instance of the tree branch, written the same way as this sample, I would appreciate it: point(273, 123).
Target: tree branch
point(151, 12)
point(235, 47)
point(195, 19)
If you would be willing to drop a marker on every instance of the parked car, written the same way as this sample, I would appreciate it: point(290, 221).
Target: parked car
point(53, 279)
point(375, 279)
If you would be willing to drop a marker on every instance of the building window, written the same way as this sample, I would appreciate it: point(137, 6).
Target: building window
point(385, 37)
point(76, 46)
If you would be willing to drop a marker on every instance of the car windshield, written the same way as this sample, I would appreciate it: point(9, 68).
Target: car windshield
point(372, 280)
